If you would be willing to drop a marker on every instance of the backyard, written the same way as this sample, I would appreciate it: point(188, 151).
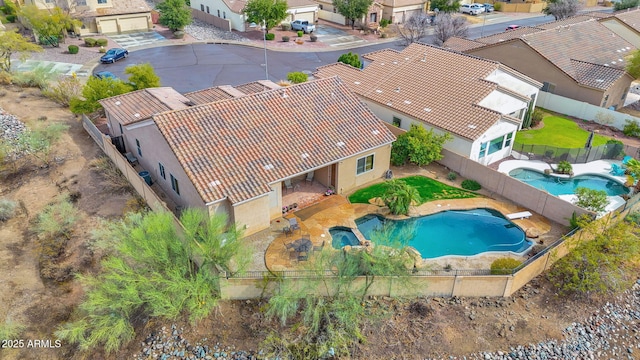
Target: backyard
point(428, 189)
point(558, 131)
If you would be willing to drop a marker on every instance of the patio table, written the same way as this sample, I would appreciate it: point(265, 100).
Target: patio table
point(302, 245)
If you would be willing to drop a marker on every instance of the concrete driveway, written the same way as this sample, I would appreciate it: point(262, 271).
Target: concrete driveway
point(137, 39)
point(335, 37)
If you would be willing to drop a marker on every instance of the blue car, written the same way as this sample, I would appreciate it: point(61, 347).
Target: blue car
point(113, 55)
point(105, 75)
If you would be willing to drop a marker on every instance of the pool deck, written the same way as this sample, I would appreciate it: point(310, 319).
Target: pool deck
point(337, 211)
point(598, 167)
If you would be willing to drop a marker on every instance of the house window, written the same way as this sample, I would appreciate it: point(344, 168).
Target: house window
point(495, 145)
point(174, 184)
point(121, 131)
point(364, 165)
point(224, 14)
point(218, 13)
point(138, 146)
point(320, 6)
point(208, 10)
point(606, 98)
point(507, 142)
point(162, 173)
point(201, 7)
point(483, 150)
point(102, 1)
point(373, 17)
point(548, 87)
point(397, 121)
point(81, 2)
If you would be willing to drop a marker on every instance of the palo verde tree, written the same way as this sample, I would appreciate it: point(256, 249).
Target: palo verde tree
point(49, 26)
point(447, 26)
point(447, 6)
point(562, 9)
point(272, 12)
point(174, 14)
point(13, 43)
point(399, 196)
point(97, 89)
point(150, 269)
point(142, 76)
point(351, 59)
point(418, 146)
point(591, 199)
point(633, 64)
point(415, 29)
point(331, 321)
point(352, 9)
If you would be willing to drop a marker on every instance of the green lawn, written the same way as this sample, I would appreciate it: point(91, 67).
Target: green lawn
point(429, 189)
point(559, 132)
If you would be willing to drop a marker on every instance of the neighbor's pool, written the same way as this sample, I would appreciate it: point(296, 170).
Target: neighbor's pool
point(563, 186)
point(463, 232)
point(342, 236)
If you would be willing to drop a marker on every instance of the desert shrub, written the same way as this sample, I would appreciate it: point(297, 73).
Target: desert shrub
point(57, 219)
point(564, 167)
point(11, 18)
point(625, 4)
point(270, 36)
point(300, 33)
point(7, 209)
point(594, 200)
point(6, 78)
point(90, 42)
point(285, 39)
point(285, 26)
point(102, 42)
point(536, 117)
point(631, 128)
point(65, 89)
point(350, 59)
point(504, 266)
point(471, 185)
point(497, 6)
point(452, 176)
point(633, 217)
point(11, 329)
point(73, 49)
point(37, 78)
point(135, 205)
point(384, 23)
point(313, 38)
point(297, 77)
point(113, 178)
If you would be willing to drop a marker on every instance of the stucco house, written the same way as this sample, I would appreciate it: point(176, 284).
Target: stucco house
point(578, 58)
point(233, 150)
point(104, 16)
point(233, 11)
point(480, 102)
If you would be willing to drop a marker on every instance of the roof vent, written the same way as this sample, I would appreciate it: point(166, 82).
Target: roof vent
point(284, 94)
point(375, 132)
point(406, 59)
point(407, 102)
point(268, 167)
point(136, 115)
point(214, 183)
point(397, 89)
point(606, 64)
point(389, 104)
point(599, 80)
point(613, 62)
point(424, 57)
point(619, 50)
point(118, 103)
point(395, 63)
point(471, 126)
point(620, 60)
point(357, 82)
point(628, 48)
point(427, 109)
point(340, 143)
point(304, 155)
point(379, 91)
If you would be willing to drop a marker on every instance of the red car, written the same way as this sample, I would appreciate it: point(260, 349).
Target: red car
point(512, 27)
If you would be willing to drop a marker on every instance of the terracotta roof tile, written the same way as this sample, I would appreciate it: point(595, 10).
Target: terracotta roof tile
point(120, 7)
point(595, 75)
point(461, 44)
point(257, 86)
point(208, 95)
point(631, 18)
point(438, 86)
point(507, 35)
point(234, 148)
point(568, 21)
point(142, 104)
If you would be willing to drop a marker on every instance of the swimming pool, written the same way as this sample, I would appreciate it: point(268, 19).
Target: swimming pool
point(342, 236)
point(567, 186)
point(452, 232)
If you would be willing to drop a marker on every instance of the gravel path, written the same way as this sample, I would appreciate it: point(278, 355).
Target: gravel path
point(203, 31)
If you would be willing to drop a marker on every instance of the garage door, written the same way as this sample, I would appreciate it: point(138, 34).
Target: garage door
point(134, 24)
point(108, 26)
point(408, 14)
point(305, 16)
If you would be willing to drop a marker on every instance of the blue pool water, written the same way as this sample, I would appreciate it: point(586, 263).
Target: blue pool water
point(463, 232)
point(563, 186)
point(342, 236)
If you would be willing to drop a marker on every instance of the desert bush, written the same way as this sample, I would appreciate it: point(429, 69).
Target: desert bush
point(594, 200)
point(297, 77)
point(270, 36)
point(497, 6)
point(11, 329)
point(37, 78)
point(285, 39)
point(350, 59)
point(102, 42)
point(631, 128)
point(633, 217)
point(536, 117)
point(504, 266)
point(625, 4)
point(313, 38)
point(135, 205)
point(471, 185)
point(90, 42)
point(300, 33)
point(73, 49)
point(384, 23)
point(65, 89)
point(452, 176)
point(113, 178)
point(7, 209)
point(57, 219)
point(11, 18)
point(6, 78)
point(285, 26)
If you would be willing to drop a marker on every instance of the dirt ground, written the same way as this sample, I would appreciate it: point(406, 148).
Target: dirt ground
point(445, 328)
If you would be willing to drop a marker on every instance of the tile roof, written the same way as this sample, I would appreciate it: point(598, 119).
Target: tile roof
point(142, 104)
point(631, 18)
point(508, 35)
point(208, 95)
point(300, 3)
point(461, 44)
point(596, 75)
point(257, 86)
point(120, 7)
point(235, 148)
point(220, 93)
point(438, 86)
point(235, 5)
point(564, 22)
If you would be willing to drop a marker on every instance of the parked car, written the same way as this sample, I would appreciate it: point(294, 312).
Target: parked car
point(105, 75)
point(113, 55)
point(472, 9)
point(488, 7)
point(304, 25)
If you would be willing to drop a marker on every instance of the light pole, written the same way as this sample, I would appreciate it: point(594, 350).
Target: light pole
point(264, 39)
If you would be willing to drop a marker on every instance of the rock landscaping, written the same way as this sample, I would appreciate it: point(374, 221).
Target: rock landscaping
point(10, 127)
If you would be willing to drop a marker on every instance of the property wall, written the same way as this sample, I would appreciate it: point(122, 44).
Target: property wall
point(622, 30)
point(519, 56)
point(275, 201)
point(253, 215)
point(347, 178)
point(236, 21)
point(327, 14)
point(522, 7)
point(220, 23)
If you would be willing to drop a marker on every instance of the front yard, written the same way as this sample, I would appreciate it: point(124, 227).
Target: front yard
point(560, 132)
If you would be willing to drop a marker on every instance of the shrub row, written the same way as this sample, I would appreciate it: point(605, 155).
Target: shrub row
point(91, 42)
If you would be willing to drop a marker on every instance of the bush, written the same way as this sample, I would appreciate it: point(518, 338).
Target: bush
point(631, 128)
point(564, 167)
point(594, 200)
point(384, 23)
point(471, 185)
point(351, 59)
point(67, 88)
point(625, 4)
point(297, 77)
point(270, 36)
point(11, 18)
point(90, 42)
point(536, 117)
point(285, 39)
point(497, 6)
point(313, 38)
point(300, 33)
point(102, 42)
point(452, 176)
point(7, 209)
point(285, 26)
point(38, 78)
point(73, 49)
point(504, 266)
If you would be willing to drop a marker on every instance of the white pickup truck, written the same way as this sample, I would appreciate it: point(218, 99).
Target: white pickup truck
point(304, 25)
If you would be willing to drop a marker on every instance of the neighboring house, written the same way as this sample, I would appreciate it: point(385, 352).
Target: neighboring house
point(233, 11)
point(371, 20)
point(104, 16)
point(233, 150)
point(583, 60)
point(480, 102)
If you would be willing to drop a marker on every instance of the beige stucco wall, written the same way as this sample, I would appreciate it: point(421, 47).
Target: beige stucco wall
point(522, 58)
point(252, 215)
point(237, 20)
point(347, 178)
point(126, 23)
point(618, 92)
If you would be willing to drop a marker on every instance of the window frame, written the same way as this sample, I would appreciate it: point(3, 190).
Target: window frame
point(175, 185)
point(396, 121)
point(507, 140)
point(162, 170)
point(366, 166)
point(492, 149)
point(102, 2)
point(483, 149)
point(138, 147)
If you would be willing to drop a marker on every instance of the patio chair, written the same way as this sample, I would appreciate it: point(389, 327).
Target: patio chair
point(616, 170)
point(319, 248)
point(303, 256)
point(288, 246)
point(310, 176)
point(293, 256)
point(626, 159)
point(288, 185)
point(293, 224)
point(287, 231)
